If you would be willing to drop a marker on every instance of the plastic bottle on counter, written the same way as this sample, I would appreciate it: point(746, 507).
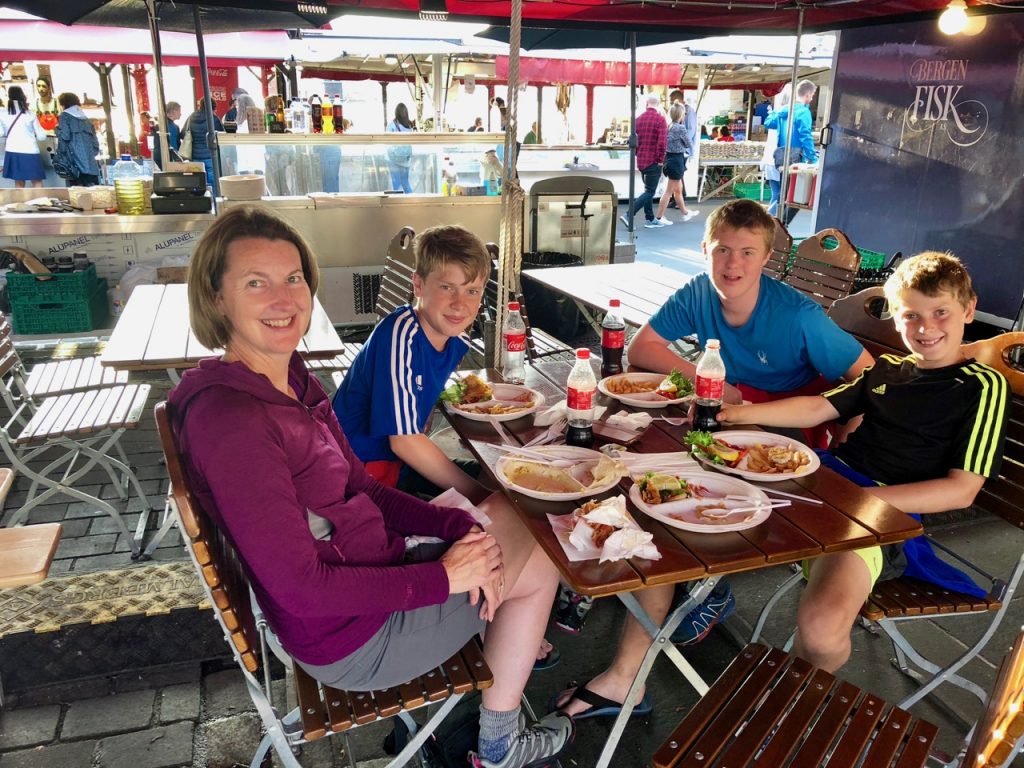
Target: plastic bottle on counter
point(613, 340)
point(316, 114)
point(450, 177)
point(513, 336)
point(709, 387)
point(339, 126)
point(327, 114)
point(299, 114)
point(117, 301)
point(127, 177)
point(579, 401)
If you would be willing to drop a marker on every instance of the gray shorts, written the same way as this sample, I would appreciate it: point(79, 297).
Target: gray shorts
point(410, 642)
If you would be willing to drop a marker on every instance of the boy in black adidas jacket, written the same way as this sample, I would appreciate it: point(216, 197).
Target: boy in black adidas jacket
point(932, 432)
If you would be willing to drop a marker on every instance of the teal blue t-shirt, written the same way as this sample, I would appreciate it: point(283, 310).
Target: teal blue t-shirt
point(786, 343)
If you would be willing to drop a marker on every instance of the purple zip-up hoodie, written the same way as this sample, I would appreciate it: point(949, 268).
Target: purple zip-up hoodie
point(259, 463)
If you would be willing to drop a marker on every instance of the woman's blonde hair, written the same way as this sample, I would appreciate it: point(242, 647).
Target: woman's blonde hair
point(209, 262)
point(676, 111)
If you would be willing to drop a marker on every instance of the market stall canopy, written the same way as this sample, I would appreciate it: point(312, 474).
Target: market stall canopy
point(176, 15)
point(29, 40)
point(692, 17)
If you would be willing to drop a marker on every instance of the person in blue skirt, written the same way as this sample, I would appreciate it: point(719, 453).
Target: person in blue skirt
point(22, 161)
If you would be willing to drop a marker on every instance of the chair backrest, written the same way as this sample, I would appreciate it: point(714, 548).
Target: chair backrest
point(396, 283)
point(863, 315)
point(997, 735)
point(1004, 496)
point(213, 555)
point(778, 261)
point(824, 273)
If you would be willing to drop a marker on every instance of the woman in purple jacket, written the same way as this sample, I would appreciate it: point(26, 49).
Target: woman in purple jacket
point(345, 568)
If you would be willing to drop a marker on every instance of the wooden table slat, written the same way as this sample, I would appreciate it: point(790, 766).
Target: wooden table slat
point(128, 341)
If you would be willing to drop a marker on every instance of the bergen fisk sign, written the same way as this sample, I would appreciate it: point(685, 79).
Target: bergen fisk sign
point(940, 102)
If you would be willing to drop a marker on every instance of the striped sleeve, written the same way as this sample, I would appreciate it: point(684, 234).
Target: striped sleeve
point(980, 444)
point(403, 391)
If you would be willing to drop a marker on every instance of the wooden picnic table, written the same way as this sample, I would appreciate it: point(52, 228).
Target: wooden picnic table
point(642, 288)
point(848, 518)
point(153, 333)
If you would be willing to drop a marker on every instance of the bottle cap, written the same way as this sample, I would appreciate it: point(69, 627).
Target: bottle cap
point(714, 344)
point(614, 303)
point(583, 354)
point(513, 306)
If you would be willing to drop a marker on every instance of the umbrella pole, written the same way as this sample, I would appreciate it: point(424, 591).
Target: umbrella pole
point(154, 34)
point(632, 133)
point(784, 176)
point(211, 135)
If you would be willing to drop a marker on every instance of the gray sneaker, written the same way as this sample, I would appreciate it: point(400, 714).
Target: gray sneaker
point(534, 745)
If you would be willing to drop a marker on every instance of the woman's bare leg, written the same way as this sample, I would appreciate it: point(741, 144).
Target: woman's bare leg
point(38, 183)
point(680, 203)
point(669, 192)
point(518, 627)
point(19, 184)
point(836, 589)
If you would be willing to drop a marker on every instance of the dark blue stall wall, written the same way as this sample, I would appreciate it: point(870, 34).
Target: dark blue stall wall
point(927, 150)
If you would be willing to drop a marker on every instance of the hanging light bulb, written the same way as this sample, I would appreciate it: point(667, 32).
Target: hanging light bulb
point(391, 60)
point(953, 20)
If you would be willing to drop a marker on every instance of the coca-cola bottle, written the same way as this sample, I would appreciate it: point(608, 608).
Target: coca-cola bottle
point(579, 401)
point(613, 339)
point(513, 336)
point(338, 120)
point(316, 114)
point(709, 387)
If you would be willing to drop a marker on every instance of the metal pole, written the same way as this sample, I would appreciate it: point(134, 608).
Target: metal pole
point(211, 132)
point(129, 105)
point(632, 132)
point(784, 176)
point(104, 72)
point(540, 110)
point(154, 34)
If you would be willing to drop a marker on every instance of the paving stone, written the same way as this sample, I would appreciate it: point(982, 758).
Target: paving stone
point(75, 754)
point(162, 676)
point(74, 528)
point(179, 702)
point(226, 694)
point(86, 545)
point(28, 726)
point(168, 746)
point(108, 714)
point(110, 562)
point(231, 741)
point(106, 524)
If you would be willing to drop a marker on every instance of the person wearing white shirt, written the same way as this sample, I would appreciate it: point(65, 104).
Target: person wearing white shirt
point(22, 162)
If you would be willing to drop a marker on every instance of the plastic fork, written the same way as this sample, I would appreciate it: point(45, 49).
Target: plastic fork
point(673, 421)
point(719, 513)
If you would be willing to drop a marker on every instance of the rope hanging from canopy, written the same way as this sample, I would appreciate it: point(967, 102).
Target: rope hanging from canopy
point(510, 258)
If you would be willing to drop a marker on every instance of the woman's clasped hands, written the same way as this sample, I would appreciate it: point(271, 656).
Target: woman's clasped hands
point(474, 565)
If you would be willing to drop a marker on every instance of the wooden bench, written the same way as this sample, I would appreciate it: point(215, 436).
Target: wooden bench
point(863, 315)
point(778, 259)
point(824, 274)
point(773, 710)
point(321, 710)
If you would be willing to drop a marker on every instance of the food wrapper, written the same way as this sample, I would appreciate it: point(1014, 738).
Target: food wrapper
point(629, 540)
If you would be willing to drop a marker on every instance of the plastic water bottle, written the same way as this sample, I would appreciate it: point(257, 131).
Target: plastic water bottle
point(613, 340)
point(299, 112)
point(579, 401)
point(127, 176)
point(450, 177)
point(117, 301)
point(709, 386)
point(513, 335)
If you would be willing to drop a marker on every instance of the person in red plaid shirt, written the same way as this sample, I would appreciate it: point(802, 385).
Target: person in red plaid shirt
point(651, 133)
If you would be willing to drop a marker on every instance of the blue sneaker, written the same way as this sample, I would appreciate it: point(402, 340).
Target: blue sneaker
point(697, 624)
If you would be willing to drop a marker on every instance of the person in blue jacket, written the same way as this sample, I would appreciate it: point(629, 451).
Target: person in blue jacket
point(802, 141)
point(196, 123)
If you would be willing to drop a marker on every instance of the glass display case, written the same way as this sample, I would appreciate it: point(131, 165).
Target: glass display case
point(538, 162)
point(298, 164)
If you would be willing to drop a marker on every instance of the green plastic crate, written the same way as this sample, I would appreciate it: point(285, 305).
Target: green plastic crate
point(752, 190)
point(59, 287)
point(62, 316)
point(868, 259)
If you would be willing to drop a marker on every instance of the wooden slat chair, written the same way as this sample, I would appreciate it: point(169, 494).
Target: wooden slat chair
point(824, 274)
point(773, 710)
point(778, 261)
point(321, 710)
point(895, 601)
point(540, 345)
point(863, 314)
point(60, 377)
point(85, 428)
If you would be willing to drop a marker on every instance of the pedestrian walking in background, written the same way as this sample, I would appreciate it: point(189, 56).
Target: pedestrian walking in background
point(22, 162)
point(678, 147)
point(400, 155)
point(651, 138)
point(77, 145)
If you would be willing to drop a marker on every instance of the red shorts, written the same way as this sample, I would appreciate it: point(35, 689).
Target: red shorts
point(384, 472)
point(816, 437)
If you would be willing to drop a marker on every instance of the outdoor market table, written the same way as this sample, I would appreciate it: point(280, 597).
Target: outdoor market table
point(153, 333)
point(848, 518)
point(641, 287)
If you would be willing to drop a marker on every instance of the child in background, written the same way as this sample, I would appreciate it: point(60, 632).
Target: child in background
point(933, 431)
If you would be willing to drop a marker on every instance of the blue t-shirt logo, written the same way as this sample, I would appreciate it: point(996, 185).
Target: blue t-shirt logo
point(762, 356)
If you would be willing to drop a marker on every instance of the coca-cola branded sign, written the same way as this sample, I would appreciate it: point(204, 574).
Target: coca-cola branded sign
point(223, 80)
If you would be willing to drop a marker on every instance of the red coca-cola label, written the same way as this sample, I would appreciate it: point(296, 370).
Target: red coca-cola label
point(515, 342)
point(710, 389)
point(579, 399)
point(612, 339)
